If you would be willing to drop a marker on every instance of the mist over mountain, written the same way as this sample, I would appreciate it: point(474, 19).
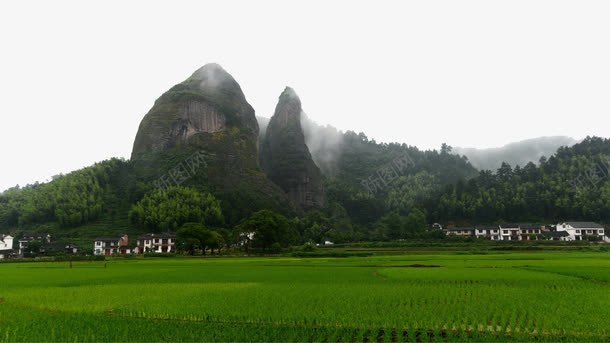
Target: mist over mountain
point(323, 141)
point(517, 153)
point(263, 122)
point(209, 102)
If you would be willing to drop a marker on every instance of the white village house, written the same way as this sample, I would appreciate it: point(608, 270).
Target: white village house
point(111, 245)
point(161, 243)
point(459, 231)
point(529, 231)
point(488, 232)
point(510, 232)
point(24, 241)
point(6, 246)
point(518, 232)
point(578, 231)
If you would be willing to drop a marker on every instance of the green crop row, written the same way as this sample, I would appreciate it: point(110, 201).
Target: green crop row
point(558, 296)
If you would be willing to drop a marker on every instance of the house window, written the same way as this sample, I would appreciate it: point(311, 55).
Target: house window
point(577, 231)
point(505, 232)
point(98, 243)
point(523, 231)
point(495, 231)
point(601, 232)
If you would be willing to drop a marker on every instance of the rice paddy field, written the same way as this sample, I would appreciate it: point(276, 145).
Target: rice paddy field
point(513, 296)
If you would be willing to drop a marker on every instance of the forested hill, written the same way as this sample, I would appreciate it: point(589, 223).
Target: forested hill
point(99, 195)
point(427, 186)
point(571, 185)
point(371, 181)
point(365, 180)
point(70, 200)
point(107, 191)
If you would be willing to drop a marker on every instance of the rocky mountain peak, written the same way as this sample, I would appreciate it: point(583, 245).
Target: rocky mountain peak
point(208, 115)
point(208, 102)
point(288, 109)
point(285, 157)
point(212, 77)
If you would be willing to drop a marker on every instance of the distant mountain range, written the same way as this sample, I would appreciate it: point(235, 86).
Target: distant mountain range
point(323, 140)
point(517, 153)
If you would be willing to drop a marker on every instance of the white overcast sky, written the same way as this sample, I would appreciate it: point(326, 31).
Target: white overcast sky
point(76, 77)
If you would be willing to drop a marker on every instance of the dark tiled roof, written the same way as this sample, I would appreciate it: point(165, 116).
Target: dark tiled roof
point(530, 226)
point(108, 239)
point(585, 225)
point(34, 237)
point(158, 235)
point(555, 233)
point(54, 246)
point(509, 226)
point(460, 229)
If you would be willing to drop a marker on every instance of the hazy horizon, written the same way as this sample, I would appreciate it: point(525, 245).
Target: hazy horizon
point(79, 77)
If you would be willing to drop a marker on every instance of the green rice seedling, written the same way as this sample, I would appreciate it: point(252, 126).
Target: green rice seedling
point(493, 297)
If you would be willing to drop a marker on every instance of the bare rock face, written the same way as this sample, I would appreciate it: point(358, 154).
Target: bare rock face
point(208, 115)
point(285, 157)
point(209, 101)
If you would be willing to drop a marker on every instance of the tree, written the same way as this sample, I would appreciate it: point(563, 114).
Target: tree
point(195, 236)
point(411, 190)
point(505, 172)
point(394, 227)
point(169, 209)
point(189, 237)
point(214, 240)
point(268, 228)
point(33, 248)
point(446, 149)
point(415, 223)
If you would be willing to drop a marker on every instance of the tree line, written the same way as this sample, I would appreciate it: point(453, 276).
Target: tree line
point(437, 187)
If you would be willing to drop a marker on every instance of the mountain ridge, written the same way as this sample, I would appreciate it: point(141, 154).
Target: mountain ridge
point(515, 153)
